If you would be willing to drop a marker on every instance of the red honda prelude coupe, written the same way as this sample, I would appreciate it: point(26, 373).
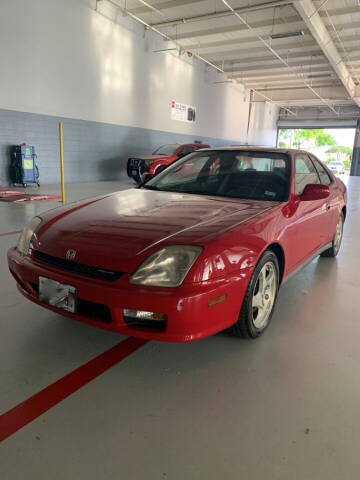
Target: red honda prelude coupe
point(201, 247)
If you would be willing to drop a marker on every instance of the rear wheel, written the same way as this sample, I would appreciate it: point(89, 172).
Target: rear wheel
point(336, 242)
point(260, 298)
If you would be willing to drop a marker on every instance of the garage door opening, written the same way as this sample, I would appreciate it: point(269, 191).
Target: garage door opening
point(334, 146)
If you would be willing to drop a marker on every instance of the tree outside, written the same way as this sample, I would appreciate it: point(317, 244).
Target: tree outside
point(340, 153)
point(316, 141)
point(305, 138)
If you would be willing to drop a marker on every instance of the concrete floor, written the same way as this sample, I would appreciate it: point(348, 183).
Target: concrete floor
point(217, 408)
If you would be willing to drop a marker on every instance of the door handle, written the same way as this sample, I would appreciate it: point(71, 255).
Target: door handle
point(328, 206)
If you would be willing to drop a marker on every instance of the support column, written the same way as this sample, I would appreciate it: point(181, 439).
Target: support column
point(355, 161)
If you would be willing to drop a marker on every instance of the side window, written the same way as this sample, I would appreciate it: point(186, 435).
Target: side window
point(305, 173)
point(186, 149)
point(324, 176)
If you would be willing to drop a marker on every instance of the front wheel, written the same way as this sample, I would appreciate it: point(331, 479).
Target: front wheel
point(260, 298)
point(336, 242)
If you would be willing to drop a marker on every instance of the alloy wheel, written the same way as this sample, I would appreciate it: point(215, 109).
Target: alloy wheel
point(264, 295)
point(338, 234)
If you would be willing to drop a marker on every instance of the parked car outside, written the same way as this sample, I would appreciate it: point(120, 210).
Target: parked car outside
point(337, 167)
point(143, 167)
point(201, 247)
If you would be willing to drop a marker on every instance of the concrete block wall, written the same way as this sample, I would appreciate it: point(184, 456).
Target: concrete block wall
point(92, 150)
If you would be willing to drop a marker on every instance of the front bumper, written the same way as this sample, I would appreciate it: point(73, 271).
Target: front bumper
point(188, 315)
point(136, 169)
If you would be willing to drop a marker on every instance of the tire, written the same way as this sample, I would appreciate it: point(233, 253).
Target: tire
point(336, 241)
point(137, 179)
point(248, 324)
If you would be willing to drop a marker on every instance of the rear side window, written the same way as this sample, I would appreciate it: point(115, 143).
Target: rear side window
point(325, 178)
point(305, 173)
point(186, 149)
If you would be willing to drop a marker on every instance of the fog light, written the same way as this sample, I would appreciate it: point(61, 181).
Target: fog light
point(142, 315)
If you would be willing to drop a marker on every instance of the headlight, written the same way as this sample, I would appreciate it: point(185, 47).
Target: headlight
point(23, 244)
point(167, 267)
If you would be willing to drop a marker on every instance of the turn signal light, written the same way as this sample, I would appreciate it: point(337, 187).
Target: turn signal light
point(216, 300)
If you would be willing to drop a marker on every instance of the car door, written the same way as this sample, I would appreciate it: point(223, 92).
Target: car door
point(311, 218)
point(331, 213)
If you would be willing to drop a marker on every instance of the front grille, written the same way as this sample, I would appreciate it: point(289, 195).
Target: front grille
point(88, 309)
point(134, 164)
point(159, 325)
point(78, 268)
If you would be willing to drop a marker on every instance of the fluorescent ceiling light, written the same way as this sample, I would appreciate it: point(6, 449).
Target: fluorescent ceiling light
point(275, 36)
point(164, 50)
point(319, 75)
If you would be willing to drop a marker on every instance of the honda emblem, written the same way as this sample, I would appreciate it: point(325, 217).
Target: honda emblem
point(70, 255)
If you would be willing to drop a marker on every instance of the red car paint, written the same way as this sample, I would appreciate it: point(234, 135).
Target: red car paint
point(120, 230)
point(143, 167)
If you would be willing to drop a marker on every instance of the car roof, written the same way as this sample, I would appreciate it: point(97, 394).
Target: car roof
point(256, 148)
point(197, 144)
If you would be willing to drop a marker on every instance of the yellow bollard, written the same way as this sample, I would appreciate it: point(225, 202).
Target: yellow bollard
point(62, 162)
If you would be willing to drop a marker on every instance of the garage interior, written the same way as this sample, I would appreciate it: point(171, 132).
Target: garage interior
point(282, 406)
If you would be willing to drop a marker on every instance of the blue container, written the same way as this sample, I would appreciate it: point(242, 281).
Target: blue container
point(24, 169)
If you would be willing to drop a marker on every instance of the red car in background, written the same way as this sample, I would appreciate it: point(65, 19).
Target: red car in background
point(143, 167)
point(201, 247)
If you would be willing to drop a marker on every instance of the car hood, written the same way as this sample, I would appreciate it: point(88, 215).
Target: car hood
point(119, 230)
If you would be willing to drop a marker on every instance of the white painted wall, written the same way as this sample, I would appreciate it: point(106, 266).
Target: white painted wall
point(63, 58)
point(262, 128)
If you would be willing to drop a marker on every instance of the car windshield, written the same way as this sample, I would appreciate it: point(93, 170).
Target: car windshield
point(169, 149)
point(256, 175)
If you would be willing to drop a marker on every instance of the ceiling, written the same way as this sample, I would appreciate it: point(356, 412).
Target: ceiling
point(317, 65)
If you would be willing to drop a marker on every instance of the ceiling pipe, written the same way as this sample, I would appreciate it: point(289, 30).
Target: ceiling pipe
point(163, 35)
point(269, 47)
point(268, 99)
point(223, 13)
point(151, 7)
point(314, 23)
point(167, 37)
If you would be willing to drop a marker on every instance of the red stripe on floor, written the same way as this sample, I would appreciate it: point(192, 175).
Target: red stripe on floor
point(10, 233)
point(33, 407)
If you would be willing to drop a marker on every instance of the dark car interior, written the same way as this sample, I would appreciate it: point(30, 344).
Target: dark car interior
point(250, 175)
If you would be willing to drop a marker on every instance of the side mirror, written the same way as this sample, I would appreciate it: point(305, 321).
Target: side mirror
point(314, 192)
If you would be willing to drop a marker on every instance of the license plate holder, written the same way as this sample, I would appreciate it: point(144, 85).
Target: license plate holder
point(57, 295)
